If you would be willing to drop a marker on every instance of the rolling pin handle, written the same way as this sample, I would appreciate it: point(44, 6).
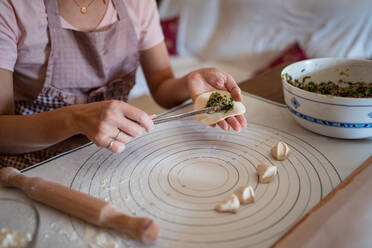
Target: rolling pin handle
point(81, 205)
point(8, 176)
point(140, 228)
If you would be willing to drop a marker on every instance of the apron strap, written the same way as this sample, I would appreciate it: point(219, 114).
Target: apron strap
point(120, 9)
point(52, 13)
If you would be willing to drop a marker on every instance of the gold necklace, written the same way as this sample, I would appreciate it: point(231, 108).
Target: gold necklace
point(83, 9)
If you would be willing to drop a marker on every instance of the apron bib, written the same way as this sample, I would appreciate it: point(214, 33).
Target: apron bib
point(82, 67)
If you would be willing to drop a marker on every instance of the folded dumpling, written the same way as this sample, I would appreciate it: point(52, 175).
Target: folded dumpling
point(209, 119)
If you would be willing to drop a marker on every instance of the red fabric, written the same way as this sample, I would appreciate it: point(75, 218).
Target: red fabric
point(170, 29)
point(293, 54)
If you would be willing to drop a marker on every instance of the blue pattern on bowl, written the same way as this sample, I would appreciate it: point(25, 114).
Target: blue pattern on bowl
point(330, 123)
point(295, 103)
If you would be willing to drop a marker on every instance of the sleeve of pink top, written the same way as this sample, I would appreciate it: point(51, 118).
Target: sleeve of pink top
point(8, 36)
point(151, 33)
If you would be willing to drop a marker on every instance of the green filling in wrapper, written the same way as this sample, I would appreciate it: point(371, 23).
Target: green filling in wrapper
point(218, 103)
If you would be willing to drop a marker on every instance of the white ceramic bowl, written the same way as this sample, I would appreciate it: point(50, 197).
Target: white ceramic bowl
point(340, 117)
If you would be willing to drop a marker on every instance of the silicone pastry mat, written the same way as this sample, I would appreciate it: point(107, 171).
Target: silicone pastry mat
point(177, 174)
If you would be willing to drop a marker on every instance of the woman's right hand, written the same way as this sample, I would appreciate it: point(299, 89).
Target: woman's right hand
point(110, 124)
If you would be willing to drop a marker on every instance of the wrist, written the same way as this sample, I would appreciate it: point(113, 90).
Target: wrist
point(71, 120)
point(185, 86)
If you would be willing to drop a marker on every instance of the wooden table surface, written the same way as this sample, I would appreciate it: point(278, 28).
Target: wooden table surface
point(266, 85)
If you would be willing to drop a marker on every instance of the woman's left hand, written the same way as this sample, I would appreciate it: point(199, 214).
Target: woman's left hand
point(210, 79)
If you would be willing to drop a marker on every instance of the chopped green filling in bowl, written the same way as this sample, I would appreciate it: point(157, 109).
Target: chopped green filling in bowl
point(220, 103)
point(341, 88)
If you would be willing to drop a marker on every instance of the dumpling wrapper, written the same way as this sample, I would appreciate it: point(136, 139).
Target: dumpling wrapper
point(229, 205)
point(210, 119)
point(280, 151)
point(245, 194)
point(266, 173)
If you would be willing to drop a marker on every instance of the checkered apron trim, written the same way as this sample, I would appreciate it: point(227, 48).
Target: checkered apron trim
point(118, 90)
point(40, 104)
point(27, 159)
point(67, 62)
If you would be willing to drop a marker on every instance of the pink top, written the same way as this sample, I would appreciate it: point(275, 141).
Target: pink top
point(24, 42)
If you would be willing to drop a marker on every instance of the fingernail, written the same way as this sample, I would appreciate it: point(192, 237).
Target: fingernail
point(150, 129)
point(121, 149)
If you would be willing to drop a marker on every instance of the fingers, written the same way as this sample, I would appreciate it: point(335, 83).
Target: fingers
point(115, 146)
point(101, 123)
point(123, 137)
point(139, 116)
point(223, 124)
point(210, 79)
point(234, 123)
point(233, 88)
point(221, 80)
point(120, 136)
point(242, 120)
point(117, 143)
point(218, 79)
point(129, 127)
point(118, 147)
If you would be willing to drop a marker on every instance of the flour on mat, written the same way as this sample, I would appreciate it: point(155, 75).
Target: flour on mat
point(57, 228)
point(100, 238)
point(125, 179)
point(13, 239)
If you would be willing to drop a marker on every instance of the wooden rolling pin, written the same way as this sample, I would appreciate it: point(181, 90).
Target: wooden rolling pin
point(81, 205)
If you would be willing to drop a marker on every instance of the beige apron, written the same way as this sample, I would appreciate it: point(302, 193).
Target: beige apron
point(82, 67)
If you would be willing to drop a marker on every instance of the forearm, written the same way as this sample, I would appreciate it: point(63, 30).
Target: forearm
point(167, 90)
point(20, 134)
point(172, 92)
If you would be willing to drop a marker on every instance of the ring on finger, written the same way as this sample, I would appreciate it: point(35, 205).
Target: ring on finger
point(119, 134)
point(110, 144)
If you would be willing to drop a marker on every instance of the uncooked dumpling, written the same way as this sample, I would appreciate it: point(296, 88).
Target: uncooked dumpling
point(229, 205)
point(245, 194)
point(266, 173)
point(280, 151)
point(209, 119)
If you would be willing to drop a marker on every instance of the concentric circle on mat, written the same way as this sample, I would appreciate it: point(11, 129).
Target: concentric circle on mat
point(176, 175)
point(183, 174)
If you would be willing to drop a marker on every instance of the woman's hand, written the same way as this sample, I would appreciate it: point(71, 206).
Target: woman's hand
point(210, 79)
point(110, 124)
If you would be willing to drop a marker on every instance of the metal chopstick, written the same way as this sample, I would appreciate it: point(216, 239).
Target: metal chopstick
point(179, 116)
